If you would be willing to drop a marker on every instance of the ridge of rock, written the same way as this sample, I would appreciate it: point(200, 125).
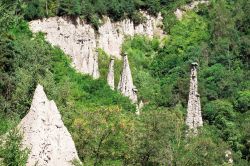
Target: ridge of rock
point(126, 86)
point(194, 118)
point(80, 40)
point(45, 135)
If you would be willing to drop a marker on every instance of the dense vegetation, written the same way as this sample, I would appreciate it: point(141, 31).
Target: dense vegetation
point(101, 121)
point(92, 10)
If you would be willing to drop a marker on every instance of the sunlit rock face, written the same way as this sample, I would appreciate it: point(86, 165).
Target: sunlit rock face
point(80, 40)
point(111, 74)
point(194, 118)
point(126, 86)
point(75, 39)
point(112, 35)
point(45, 135)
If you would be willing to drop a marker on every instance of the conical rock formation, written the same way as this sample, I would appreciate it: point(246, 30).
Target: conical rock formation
point(194, 118)
point(126, 86)
point(111, 74)
point(45, 135)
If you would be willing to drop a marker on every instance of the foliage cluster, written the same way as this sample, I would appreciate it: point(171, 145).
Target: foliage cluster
point(91, 10)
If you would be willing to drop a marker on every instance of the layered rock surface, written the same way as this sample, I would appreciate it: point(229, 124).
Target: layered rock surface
point(194, 118)
point(126, 86)
point(79, 40)
point(45, 135)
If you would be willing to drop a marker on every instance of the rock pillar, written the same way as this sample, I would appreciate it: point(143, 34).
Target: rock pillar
point(194, 118)
point(126, 86)
point(111, 74)
point(45, 135)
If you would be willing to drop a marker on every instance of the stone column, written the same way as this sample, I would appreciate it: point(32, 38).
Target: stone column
point(126, 86)
point(194, 118)
point(94, 68)
point(111, 75)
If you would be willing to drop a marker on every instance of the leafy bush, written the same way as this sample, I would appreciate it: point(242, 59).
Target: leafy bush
point(11, 151)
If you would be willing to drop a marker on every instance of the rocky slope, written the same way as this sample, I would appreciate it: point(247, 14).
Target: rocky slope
point(45, 135)
point(80, 40)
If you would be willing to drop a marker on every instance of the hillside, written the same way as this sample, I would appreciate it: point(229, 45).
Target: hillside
point(178, 92)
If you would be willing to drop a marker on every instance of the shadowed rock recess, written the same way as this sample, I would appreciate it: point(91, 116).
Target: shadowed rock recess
point(80, 40)
point(45, 135)
point(194, 118)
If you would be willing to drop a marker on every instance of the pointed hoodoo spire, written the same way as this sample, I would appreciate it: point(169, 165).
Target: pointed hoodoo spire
point(126, 85)
point(45, 135)
point(111, 74)
point(93, 66)
point(194, 118)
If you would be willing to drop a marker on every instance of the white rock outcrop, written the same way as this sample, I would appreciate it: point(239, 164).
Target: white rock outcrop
point(194, 118)
point(45, 135)
point(126, 86)
point(112, 35)
point(80, 40)
point(111, 74)
point(179, 13)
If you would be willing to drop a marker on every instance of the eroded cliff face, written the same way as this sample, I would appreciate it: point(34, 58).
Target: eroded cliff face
point(45, 135)
point(80, 40)
point(194, 118)
point(112, 35)
point(125, 85)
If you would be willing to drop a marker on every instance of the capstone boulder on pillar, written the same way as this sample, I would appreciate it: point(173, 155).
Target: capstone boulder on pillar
point(194, 118)
point(45, 135)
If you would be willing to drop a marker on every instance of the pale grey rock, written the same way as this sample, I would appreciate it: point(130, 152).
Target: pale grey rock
point(179, 13)
point(80, 40)
point(111, 74)
point(126, 86)
point(229, 157)
point(139, 108)
point(45, 135)
point(194, 118)
point(112, 35)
